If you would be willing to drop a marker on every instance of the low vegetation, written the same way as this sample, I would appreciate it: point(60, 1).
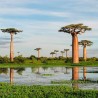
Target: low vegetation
point(73, 81)
point(14, 91)
point(31, 61)
point(47, 74)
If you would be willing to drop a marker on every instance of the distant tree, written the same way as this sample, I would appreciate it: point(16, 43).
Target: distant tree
point(38, 49)
point(52, 53)
point(66, 50)
point(12, 31)
point(85, 43)
point(62, 52)
point(74, 30)
point(56, 52)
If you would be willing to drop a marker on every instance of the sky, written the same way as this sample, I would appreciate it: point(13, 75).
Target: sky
point(40, 21)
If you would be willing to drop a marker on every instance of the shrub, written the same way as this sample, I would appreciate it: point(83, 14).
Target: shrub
point(43, 59)
point(68, 60)
point(4, 59)
point(19, 59)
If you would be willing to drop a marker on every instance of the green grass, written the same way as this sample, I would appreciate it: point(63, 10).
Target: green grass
point(13, 91)
point(50, 63)
point(73, 81)
point(47, 74)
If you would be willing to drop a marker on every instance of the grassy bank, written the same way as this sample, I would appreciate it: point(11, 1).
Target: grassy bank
point(11, 91)
point(33, 61)
point(50, 64)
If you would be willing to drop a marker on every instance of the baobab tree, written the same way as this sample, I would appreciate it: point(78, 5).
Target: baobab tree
point(12, 31)
point(85, 43)
point(38, 49)
point(74, 30)
point(66, 50)
point(62, 52)
point(52, 53)
point(56, 52)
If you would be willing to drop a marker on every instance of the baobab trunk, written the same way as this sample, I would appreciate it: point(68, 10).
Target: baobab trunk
point(75, 49)
point(38, 54)
point(84, 73)
point(52, 55)
point(11, 49)
point(55, 54)
point(66, 54)
point(11, 75)
point(84, 53)
point(62, 54)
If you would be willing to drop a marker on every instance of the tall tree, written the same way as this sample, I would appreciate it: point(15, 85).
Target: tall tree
point(62, 52)
point(38, 49)
point(52, 53)
point(12, 31)
point(85, 43)
point(66, 50)
point(56, 52)
point(74, 30)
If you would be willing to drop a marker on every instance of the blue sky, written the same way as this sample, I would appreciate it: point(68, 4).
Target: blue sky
point(40, 21)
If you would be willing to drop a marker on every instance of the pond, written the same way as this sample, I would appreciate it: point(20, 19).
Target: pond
point(76, 77)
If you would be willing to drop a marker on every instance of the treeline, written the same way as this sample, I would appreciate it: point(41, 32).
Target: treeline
point(45, 60)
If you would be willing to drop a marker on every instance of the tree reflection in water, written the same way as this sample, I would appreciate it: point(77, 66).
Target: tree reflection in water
point(11, 75)
point(75, 77)
point(84, 73)
point(20, 70)
point(3, 70)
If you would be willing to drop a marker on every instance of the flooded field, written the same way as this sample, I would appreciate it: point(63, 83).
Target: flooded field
point(87, 77)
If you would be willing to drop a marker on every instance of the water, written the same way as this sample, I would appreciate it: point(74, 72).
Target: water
point(44, 76)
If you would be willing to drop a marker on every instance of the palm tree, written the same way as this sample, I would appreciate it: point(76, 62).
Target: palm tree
point(38, 49)
point(62, 52)
point(56, 52)
point(12, 31)
point(85, 43)
point(66, 50)
point(74, 30)
point(52, 53)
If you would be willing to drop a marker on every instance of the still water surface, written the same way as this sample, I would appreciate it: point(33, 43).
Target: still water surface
point(44, 76)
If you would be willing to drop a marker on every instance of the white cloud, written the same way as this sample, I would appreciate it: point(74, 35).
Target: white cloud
point(28, 11)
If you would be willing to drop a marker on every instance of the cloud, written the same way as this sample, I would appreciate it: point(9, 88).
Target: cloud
point(29, 11)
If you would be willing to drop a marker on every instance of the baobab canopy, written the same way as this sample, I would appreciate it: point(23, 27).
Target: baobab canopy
point(85, 43)
point(37, 49)
point(74, 28)
point(11, 30)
